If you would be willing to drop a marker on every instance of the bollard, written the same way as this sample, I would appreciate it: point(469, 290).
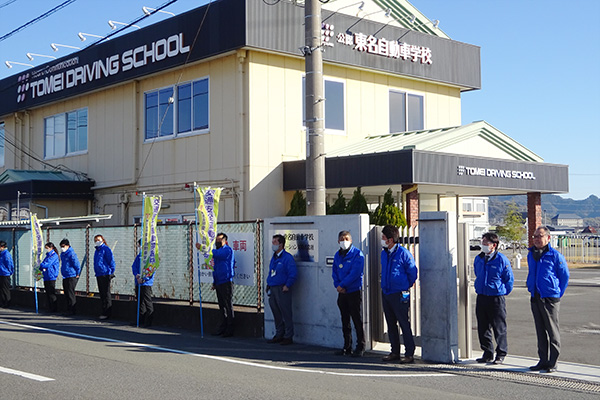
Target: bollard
point(518, 260)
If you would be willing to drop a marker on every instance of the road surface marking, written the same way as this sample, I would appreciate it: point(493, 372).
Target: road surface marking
point(225, 359)
point(27, 375)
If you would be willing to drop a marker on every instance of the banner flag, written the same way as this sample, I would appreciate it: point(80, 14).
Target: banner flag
point(150, 260)
point(37, 247)
point(208, 210)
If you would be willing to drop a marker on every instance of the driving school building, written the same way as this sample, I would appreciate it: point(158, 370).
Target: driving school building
point(215, 96)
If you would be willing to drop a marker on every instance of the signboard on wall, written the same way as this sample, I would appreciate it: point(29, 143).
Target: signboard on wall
point(242, 245)
point(302, 244)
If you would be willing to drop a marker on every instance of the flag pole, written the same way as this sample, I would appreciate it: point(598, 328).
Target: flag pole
point(139, 285)
point(198, 259)
point(35, 295)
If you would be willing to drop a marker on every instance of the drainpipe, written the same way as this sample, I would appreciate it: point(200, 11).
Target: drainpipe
point(240, 210)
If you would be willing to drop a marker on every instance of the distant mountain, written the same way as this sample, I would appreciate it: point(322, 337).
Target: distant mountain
point(588, 209)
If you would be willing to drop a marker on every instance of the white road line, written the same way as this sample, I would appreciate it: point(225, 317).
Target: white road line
point(27, 375)
point(225, 359)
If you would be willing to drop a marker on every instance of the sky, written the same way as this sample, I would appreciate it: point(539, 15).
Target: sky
point(540, 64)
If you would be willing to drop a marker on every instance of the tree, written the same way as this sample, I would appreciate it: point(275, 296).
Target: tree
point(357, 204)
point(297, 205)
point(339, 206)
point(513, 229)
point(388, 213)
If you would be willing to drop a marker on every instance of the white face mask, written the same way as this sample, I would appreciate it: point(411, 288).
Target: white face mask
point(345, 244)
point(63, 249)
point(384, 243)
point(275, 247)
point(488, 249)
point(98, 243)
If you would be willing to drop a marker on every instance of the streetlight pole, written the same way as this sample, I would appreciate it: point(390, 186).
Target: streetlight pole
point(315, 107)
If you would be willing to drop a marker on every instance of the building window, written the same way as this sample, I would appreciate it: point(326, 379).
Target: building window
point(335, 107)
point(177, 110)
point(66, 134)
point(480, 207)
point(467, 207)
point(2, 133)
point(406, 112)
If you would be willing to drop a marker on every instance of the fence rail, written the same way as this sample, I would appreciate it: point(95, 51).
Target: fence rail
point(578, 248)
point(175, 279)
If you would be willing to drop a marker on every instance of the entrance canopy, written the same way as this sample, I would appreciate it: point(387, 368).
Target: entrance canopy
point(469, 160)
point(42, 184)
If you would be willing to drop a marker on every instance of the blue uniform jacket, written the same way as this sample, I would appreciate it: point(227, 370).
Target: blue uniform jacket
point(49, 266)
point(282, 270)
point(104, 263)
point(224, 265)
point(70, 266)
point(135, 269)
point(398, 270)
point(549, 276)
point(347, 271)
point(494, 277)
point(7, 267)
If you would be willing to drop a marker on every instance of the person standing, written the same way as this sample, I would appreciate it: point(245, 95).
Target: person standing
point(347, 274)
point(104, 267)
point(223, 263)
point(493, 280)
point(49, 268)
point(281, 278)
point(144, 286)
point(398, 274)
point(547, 281)
point(7, 268)
point(70, 270)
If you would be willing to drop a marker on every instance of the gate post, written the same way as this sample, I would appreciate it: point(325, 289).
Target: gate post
point(439, 302)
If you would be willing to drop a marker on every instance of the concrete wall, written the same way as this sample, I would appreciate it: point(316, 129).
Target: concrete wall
point(439, 298)
point(315, 312)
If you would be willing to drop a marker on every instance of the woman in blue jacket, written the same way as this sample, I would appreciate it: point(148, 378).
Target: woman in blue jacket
point(70, 270)
point(49, 269)
point(104, 267)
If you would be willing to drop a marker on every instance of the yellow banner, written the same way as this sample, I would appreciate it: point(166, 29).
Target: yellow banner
point(208, 210)
point(37, 247)
point(150, 260)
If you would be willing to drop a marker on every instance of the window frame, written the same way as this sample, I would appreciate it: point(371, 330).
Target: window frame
point(176, 109)
point(406, 94)
point(65, 117)
point(328, 131)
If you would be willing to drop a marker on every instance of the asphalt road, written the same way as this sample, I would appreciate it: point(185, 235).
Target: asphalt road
point(89, 360)
point(579, 318)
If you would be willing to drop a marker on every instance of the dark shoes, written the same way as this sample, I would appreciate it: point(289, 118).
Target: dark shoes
point(407, 360)
point(538, 367)
point(358, 353)
point(485, 358)
point(549, 370)
point(499, 360)
point(343, 352)
point(286, 341)
point(391, 357)
point(276, 339)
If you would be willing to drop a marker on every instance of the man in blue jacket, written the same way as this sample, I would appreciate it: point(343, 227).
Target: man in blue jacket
point(7, 268)
point(281, 278)
point(547, 281)
point(493, 280)
point(223, 263)
point(347, 274)
point(70, 270)
point(398, 274)
point(144, 286)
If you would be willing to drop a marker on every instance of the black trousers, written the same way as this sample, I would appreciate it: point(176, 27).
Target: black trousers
point(350, 305)
point(69, 288)
point(105, 297)
point(281, 306)
point(5, 291)
point(491, 317)
point(395, 310)
point(545, 317)
point(50, 288)
point(225, 299)
point(146, 305)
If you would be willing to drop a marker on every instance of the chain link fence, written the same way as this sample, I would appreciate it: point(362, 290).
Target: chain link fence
point(175, 279)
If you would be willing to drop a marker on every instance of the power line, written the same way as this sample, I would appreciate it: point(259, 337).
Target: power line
point(9, 2)
point(41, 17)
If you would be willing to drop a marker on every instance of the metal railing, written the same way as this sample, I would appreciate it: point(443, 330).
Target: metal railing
point(175, 279)
point(582, 249)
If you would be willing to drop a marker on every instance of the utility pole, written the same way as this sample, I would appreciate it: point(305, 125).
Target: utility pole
point(315, 109)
